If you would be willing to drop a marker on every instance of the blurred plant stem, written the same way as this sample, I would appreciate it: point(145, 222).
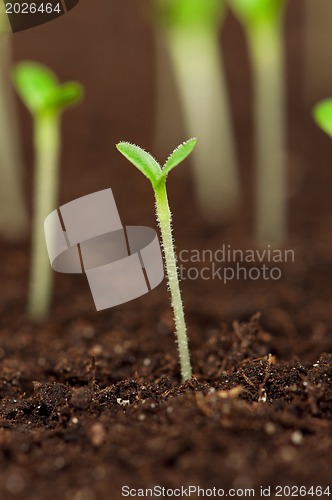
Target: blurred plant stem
point(201, 84)
point(168, 121)
point(13, 215)
point(191, 33)
point(268, 67)
point(262, 21)
point(46, 187)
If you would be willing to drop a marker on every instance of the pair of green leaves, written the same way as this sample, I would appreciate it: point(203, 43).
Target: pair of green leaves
point(40, 90)
point(149, 166)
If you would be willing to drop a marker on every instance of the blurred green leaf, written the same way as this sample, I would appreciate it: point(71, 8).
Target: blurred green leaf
point(67, 94)
point(322, 113)
point(40, 90)
point(34, 83)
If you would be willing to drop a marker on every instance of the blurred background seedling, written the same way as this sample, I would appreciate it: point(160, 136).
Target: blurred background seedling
point(157, 175)
point(190, 31)
point(13, 214)
point(263, 24)
point(46, 99)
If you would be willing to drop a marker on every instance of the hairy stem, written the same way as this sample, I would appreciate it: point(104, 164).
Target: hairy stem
point(165, 219)
point(267, 54)
point(47, 148)
point(13, 216)
point(199, 74)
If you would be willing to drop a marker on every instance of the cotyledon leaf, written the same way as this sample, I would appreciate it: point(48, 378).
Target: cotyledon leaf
point(179, 154)
point(142, 160)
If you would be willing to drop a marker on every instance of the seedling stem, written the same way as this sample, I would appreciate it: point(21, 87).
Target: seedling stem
point(46, 186)
point(164, 218)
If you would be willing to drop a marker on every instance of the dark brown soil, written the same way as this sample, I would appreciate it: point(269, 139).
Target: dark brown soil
point(91, 402)
point(101, 407)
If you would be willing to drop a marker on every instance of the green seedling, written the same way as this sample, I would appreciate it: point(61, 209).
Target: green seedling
point(191, 30)
point(322, 113)
point(45, 98)
point(263, 22)
point(157, 175)
point(13, 214)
